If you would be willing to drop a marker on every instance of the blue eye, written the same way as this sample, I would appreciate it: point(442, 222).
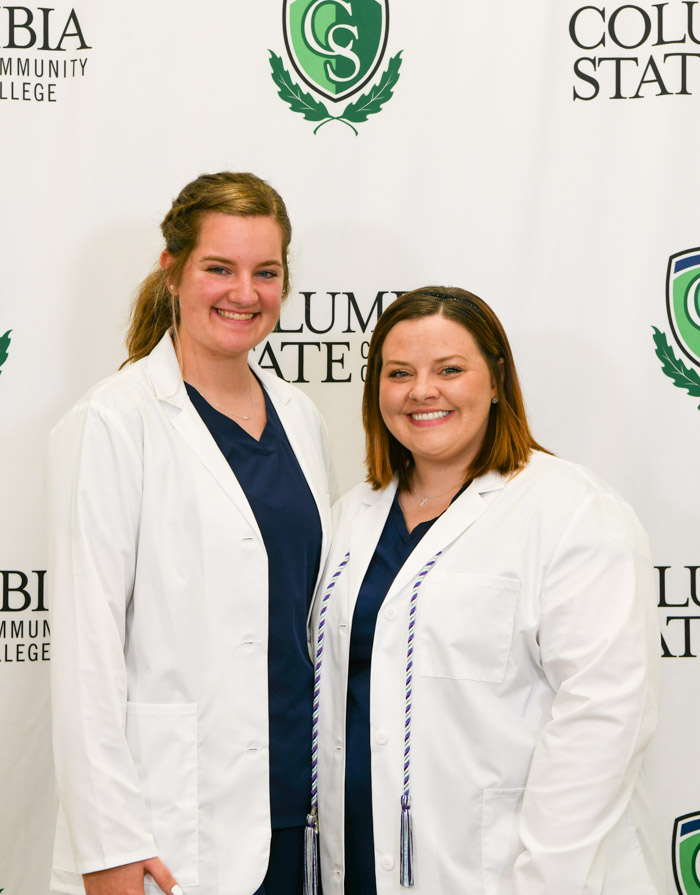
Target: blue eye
point(398, 374)
point(215, 268)
point(267, 274)
point(453, 369)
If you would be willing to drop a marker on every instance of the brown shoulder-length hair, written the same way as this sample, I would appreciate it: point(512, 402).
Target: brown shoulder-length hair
point(508, 441)
point(155, 309)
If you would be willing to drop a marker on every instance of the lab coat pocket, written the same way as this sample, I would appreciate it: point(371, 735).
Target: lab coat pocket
point(500, 843)
point(163, 743)
point(465, 626)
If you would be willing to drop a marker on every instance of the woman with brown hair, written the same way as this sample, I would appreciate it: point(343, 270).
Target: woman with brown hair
point(189, 516)
point(486, 639)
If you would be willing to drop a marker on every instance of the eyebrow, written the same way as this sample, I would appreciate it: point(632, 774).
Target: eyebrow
point(223, 260)
point(437, 360)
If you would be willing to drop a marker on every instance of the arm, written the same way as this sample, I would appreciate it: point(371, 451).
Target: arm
point(95, 475)
point(599, 650)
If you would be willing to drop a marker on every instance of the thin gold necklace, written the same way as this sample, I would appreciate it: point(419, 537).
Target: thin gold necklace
point(240, 416)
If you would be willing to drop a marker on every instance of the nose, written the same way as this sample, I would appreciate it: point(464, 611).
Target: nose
point(424, 389)
point(243, 292)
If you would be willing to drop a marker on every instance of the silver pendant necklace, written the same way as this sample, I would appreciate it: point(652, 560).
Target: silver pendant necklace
point(422, 500)
point(239, 416)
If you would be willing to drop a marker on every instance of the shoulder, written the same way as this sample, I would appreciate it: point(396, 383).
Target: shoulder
point(118, 401)
point(359, 499)
point(360, 495)
point(136, 390)
point(570, 496)
point(562, 478)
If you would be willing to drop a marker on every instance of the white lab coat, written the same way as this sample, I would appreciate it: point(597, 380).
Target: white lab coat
point(159, 606)
point(534, 697)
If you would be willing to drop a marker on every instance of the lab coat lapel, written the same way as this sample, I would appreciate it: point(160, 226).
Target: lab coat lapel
point(365, 531)
point(458, 517)
point(165, 375)
point(305, 447)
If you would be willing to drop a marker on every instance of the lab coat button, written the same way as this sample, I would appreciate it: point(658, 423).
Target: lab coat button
point(391, 614)
point(382, 736)
point(387, 862)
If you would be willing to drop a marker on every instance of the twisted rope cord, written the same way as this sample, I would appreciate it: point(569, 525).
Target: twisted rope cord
point(317, 678)
point(409, 679)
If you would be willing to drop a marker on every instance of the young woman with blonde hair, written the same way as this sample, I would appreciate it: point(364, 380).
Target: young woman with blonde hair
point(189, 516)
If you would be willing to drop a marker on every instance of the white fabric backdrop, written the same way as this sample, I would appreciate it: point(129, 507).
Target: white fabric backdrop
point(483, 170)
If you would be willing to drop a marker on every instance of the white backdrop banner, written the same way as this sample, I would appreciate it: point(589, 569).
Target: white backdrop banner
point(543, 155)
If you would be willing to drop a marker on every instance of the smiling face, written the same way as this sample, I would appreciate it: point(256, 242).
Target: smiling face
point(231, 286)
point(435, 390)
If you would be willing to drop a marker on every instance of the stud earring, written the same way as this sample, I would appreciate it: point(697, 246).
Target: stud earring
point(494, 400)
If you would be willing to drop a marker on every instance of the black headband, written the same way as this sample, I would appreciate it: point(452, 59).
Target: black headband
point(448, 296)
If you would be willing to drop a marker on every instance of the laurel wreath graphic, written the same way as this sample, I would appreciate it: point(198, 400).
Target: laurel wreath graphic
point(674, 368)
point(4, 346)
point(354, 113)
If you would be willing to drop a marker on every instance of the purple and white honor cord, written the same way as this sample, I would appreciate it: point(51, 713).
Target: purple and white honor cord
point(311, 832)
point(406, 858)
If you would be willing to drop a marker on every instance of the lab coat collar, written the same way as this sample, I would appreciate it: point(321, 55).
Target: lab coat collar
point(303, 435)
point(365, 532)
point(164, 373)
point(367, 528)
point(166, 378)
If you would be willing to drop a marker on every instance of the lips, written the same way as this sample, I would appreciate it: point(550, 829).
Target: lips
point(234, 315)
point(432, 415)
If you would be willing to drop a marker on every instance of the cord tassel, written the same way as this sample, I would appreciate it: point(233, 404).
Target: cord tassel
point(311, 854)
point(406, 864)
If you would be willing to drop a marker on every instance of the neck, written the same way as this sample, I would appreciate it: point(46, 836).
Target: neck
point(218, 377)
point(432, 479)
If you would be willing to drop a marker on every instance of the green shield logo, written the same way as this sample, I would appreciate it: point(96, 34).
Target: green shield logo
point(683, 306)
point(686, 852)
point(336, 46)
point(683, 301)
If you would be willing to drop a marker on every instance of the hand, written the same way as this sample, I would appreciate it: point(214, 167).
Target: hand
point(128, 879)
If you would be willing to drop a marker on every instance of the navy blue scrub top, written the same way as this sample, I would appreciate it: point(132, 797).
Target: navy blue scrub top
point(286, 513)
point(393, 549)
